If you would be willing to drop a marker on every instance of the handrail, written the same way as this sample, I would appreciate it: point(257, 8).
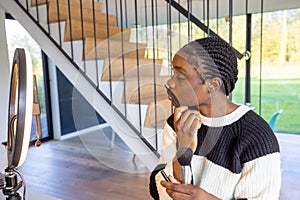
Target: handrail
point(197, 22)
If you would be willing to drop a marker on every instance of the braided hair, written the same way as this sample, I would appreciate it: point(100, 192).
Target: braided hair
point(216, 57)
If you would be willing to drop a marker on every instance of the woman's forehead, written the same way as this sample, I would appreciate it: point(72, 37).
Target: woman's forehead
point(181, 63)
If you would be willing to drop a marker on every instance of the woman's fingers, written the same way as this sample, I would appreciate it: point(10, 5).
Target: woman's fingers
point(189, 121)
point(186, 115)
point(178, 112)
point(178, 191)
point(173, 180)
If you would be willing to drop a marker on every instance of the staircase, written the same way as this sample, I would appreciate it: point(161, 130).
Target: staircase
point(113, 65)
point(121, 71)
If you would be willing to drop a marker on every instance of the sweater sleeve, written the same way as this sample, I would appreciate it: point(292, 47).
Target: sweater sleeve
point(260, 159)
point(167, 154)
point(260, 179)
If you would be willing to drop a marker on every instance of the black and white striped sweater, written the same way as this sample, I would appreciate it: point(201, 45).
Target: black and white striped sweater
point(237, 157)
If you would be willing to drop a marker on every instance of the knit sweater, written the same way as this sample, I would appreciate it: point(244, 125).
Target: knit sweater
point(237, 157)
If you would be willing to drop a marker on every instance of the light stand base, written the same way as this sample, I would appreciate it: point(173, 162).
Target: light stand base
point(16, 196)
point(11, 187)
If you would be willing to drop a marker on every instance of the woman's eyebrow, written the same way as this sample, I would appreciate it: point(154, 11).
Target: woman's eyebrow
point(179, 69)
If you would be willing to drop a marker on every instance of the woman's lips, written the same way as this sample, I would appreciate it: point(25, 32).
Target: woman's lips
point(172, 101)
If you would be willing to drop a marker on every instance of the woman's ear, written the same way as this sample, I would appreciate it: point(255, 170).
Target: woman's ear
point(214, 84)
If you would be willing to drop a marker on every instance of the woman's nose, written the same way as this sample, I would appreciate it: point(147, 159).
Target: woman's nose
point(171, 83)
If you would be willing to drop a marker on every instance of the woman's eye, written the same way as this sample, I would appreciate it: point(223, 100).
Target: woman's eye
point(180, 77)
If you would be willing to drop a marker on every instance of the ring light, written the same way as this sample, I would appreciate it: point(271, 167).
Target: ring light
point(20, 109)
point(19, 122)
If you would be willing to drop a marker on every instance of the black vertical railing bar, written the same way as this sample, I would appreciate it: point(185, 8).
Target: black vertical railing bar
point(82, 33)
point(208, 29)
point(169, 43)
point(146, 27)
point(47, 12)
point(138, 64)
point(199, 23)
point(71, 30)
point(58, 24)
point(123, 59)
point(189, 19)
point(169, 32)
point(37, 11)
point(126, 15)
point(230, 30)
point(260, 56)
point(95, 41)
point(248, 61)
point(157, 32)
point(191, 11)
point(27, 7)
point(230, 21)
point(204, 16)
point(116, 8)
point(108, 50)
point(154, 57)
point(179, 25)
point(154, 73)
point(217, 17)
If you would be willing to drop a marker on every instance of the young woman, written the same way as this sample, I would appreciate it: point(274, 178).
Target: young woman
point(235, 152)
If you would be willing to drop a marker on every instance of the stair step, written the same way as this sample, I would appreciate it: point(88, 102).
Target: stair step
point(86, 4)
point(37, 2)
point(146, 90)
point(87, 12)
point(88, 27)
point(130, 68)
point(115, 46)
point(163, 111)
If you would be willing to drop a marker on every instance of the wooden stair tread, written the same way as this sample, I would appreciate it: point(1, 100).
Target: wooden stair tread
point(88, 27)
point(116, 49)
point(87, 12)
point(37, 2)
point(146, 90)
point(130, 68)
point(163, 111)
point(86, 4)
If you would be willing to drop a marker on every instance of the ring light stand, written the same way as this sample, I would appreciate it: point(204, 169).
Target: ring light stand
point(19, 124)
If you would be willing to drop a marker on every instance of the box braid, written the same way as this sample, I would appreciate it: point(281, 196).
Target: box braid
point(216, 57)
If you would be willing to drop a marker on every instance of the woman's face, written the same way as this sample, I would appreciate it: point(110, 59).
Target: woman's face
point(186, 83)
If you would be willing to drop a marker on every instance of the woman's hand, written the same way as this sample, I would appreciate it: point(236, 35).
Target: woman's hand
point(186, 122)
point(179, 191)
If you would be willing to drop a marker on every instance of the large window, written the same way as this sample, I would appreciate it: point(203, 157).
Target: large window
point(277, 86)
point(275, 72)
point(17, 37)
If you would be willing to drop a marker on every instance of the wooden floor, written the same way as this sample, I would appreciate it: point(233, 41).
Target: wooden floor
point(66, 170)
point(70, 169)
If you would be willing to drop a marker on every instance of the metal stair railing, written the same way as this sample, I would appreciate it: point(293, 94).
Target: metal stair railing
point(147, 21)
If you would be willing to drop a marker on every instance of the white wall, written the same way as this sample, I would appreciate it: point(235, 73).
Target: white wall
point(4, 88)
